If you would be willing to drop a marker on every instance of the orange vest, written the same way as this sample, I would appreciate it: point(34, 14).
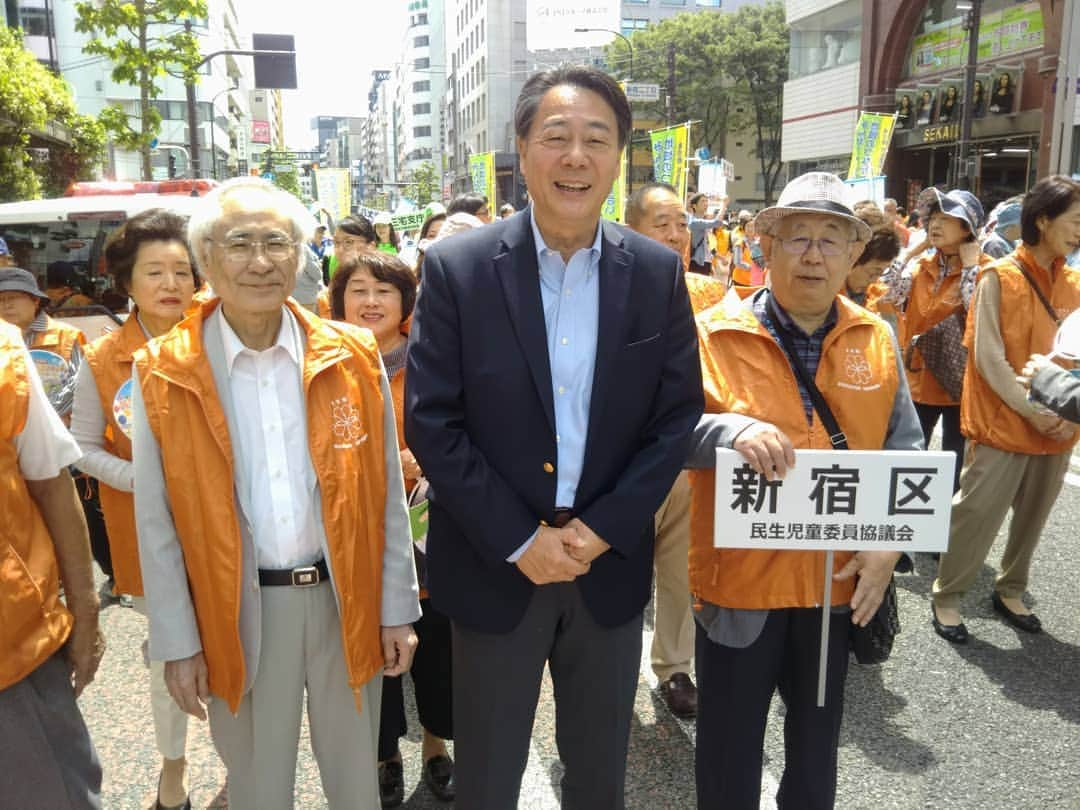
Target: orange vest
point(110, 359)
point(1026, 329)
point(34, 623)
point(704, 291)
point(322, 303)
point(926, 307)
point(744, 370)
point(58, 338)
point(344, 405)
point(741, 262)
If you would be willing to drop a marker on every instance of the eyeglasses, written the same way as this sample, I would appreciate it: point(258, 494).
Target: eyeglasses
point(240, 251)
point(798, 245)
point(351, 244)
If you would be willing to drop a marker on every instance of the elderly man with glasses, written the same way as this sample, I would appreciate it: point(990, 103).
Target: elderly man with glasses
point(273, 532)
point(758, 611)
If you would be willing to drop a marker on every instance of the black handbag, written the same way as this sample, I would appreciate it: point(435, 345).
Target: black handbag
point(943, 352)
point(873, 643)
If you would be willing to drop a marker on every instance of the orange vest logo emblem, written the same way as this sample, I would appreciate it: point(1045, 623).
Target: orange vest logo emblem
point(858, 372)
point(346, 424)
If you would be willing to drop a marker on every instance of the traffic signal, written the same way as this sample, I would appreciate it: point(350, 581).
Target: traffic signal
point(172, 165)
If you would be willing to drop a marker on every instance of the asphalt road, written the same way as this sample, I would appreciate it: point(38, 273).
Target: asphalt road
point(995, 724)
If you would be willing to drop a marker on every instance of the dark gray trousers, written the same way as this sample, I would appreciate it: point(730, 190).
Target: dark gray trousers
point(594, 671)
point(47, 761)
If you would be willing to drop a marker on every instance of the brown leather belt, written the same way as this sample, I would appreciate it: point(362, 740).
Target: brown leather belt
point(562, 517)
point(301, 577)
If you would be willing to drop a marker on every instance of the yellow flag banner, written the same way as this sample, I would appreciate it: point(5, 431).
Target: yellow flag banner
point(669, 151)
point(873, 133)
point(615, 204)
point(482, 171)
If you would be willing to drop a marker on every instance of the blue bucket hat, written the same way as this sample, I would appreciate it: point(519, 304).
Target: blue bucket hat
point(4, 250)
point(960, 204)
point(1008, 215)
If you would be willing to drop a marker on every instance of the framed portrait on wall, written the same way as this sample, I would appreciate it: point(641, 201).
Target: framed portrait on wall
point(1002, 97)
point(905, 107)
point(925, 105)
point(949, 101)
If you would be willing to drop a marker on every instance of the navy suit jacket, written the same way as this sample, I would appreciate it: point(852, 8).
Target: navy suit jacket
point(479, 416)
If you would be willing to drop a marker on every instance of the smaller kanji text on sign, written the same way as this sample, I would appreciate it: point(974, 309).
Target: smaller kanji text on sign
point(851, 500)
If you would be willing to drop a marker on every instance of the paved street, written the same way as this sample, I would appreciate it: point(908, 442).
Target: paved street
point(992, 725)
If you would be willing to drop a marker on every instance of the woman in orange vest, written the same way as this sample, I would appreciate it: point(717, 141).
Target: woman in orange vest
point(1017, 453)
point(149, 261)
point(880, 252)
point(22, 304)
point(939, 287)
point(377, 291)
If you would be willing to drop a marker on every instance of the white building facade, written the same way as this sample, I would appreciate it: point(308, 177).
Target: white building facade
point(222, 96)
point(821, 96)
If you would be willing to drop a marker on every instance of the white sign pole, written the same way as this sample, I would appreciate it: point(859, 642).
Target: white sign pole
point(826, 618)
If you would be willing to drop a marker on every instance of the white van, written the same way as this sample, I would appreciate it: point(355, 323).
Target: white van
point(66, 237)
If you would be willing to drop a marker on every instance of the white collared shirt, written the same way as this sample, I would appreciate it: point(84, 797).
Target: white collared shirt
point(272, 446)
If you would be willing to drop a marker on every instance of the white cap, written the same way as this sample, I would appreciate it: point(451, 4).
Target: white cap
point(813, 193)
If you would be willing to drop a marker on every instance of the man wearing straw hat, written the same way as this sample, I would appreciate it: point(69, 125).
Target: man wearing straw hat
point(758, 611)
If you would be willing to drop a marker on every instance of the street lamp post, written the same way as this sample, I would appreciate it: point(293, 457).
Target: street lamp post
point(213, 126)
point(972, 12)
point(629, 78)
point(624, 38)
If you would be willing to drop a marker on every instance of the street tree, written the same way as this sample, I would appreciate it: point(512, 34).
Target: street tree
point(730, 70)
point(423, 185)
point(702, 89)
point(144, 40)
point(289, 180)
point(757, 60)
point(31, 100)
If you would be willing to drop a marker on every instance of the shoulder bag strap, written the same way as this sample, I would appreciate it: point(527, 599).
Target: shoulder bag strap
point(1042, 298)
point(836, 435)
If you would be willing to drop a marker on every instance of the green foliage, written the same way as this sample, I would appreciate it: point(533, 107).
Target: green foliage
point(724, 63)
point(31, 100)
point(144, 40)
point(289, 181)
point(424, 185)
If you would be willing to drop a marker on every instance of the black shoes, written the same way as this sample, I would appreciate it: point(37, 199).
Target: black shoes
point(952, 633)
point(391, 783)
point(438, 775)
point(1029, 623)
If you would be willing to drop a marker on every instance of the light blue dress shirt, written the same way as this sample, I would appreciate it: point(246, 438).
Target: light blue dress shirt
point(570, 293)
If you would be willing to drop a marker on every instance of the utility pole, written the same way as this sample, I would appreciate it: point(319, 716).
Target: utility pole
point(1065, 98)
point(193, 122)
point(670, 83)
point(962, 171)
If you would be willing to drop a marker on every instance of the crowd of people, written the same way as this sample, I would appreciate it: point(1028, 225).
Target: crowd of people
point(322, 462)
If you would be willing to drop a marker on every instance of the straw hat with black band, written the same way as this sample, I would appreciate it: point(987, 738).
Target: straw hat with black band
point(813, 193)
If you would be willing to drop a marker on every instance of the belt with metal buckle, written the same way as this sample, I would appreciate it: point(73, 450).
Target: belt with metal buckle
point(302, 577)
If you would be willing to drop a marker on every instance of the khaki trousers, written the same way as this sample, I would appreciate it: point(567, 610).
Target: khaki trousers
point(300, 652)
point(673, 640)
point(991, 482)
point(170, 721)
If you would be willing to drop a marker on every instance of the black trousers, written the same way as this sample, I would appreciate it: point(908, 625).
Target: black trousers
point(952, 440)
point(735, 688)
point(95, 522)
point(432, 681)
point(594, 671)
point(702, 269)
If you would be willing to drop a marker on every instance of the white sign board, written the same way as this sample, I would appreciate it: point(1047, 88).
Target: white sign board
point(712, 182)
point(638, 91)
point(550, 24)
point(841, 500)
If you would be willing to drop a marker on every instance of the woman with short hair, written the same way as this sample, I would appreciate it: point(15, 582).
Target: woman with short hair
point(378, 291)
point(149, 260)
point(1017, 453)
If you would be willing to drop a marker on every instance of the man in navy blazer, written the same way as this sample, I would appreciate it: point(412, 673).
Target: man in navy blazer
point(552, 385)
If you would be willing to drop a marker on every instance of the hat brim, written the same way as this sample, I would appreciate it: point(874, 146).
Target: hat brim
point(15, 286)
point(768, 219)
point(949, 207)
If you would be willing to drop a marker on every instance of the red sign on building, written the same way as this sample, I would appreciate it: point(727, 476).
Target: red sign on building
point(260, 132)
